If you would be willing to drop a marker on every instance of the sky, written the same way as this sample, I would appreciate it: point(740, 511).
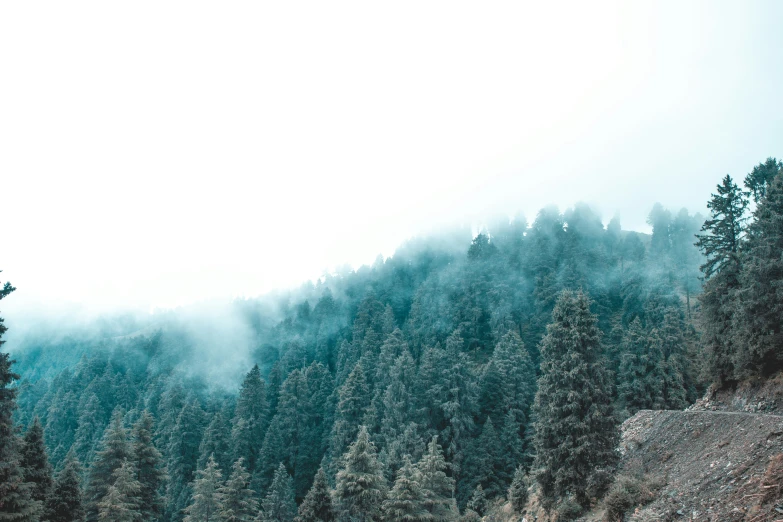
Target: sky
point(155, 154)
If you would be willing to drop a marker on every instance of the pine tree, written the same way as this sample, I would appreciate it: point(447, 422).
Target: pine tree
point(721, 246)
point(91, 427)
point(484, 464)
point(65, 502)
point(641, 374)
point(16, 503)
point(758, 321)
point(252, 408)
point(576, 432)
point(279, 504)
point(37, 470)
point(204, 505)
point(761, 177)
point(353, 398)
point(121, 502)
point(437, 487)
point(724, 229)
point(317, 505)
point(478, 501)
point(114, 451)
point(148, 464)
point(677, 368)
point(216, 442)
point(459, 404)
point(361, 486)
point(183, 458)
point(406, 500)
point(511, 448)
point(517, 492)
point(236, 501)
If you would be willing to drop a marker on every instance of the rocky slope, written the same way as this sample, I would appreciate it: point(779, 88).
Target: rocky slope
point(713, 465)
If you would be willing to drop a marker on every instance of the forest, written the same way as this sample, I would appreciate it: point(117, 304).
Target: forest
point(462, 373)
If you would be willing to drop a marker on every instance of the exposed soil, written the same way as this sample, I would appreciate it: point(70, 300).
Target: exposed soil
point(716, 465)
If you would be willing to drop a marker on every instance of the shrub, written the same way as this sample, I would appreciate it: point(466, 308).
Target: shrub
point(626, 493)
point(568, 509)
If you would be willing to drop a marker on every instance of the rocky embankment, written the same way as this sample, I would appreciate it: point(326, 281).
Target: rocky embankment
point(713, 465)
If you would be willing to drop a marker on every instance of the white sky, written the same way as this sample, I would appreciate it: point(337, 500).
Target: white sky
point(159, 153)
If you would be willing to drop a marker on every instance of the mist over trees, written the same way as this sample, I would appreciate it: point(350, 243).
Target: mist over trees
point(429, 386)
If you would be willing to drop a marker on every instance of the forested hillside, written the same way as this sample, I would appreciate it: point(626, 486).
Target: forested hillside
point(429, 386)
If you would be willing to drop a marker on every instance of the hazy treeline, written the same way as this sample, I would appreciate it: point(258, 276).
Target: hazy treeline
point(428, 385)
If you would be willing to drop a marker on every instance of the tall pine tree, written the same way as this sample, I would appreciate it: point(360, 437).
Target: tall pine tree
point(37, 470)
point(204, 506)
point(114, 451)
point(65, 502)
point(576, 432)
point(16, 502)
point(317, 505)
point(279, 504)
point(361, 486)
point(148, 464)
point(236, 501)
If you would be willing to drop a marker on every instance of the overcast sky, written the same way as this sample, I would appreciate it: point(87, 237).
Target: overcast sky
point(160, 153)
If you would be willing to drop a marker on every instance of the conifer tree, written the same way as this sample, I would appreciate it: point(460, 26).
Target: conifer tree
point(720, 244)
point(761, 177)
point(576, 432)
point(406, 500)
point(478, 501)
point(353, 398)
point(16, 503)
point(114, 451)
point(517, 492)
point(641, 374)
point(677, 368)
point(204, 505)
point(279, 504)
point(437, 487)
point(183, 458)
point(216, 442)
point(484, 464)
point(121, 502)
point(37, 470)
point(511, 448)
point(236, 501)
point(252, 408)
point(65, 502)
point(459, 403)
point(724, 229)
point(361, 486)
point(758, 321)
point(148, 464)
point(91, 427)
point(317, 505)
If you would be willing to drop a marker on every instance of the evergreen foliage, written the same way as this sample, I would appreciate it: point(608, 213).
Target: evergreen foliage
point(37, 471)
point(65, 504)
point(317, 505)
point(576, 432)
point(148, 463)
point(361, 487)
point(121, 502)
point(517, 492)
point(406, 500)
point(114, 451)
point(236, 501)
point(205, 502)
point(279, 504)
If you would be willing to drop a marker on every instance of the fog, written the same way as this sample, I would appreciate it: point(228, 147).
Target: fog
point(158, 155)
